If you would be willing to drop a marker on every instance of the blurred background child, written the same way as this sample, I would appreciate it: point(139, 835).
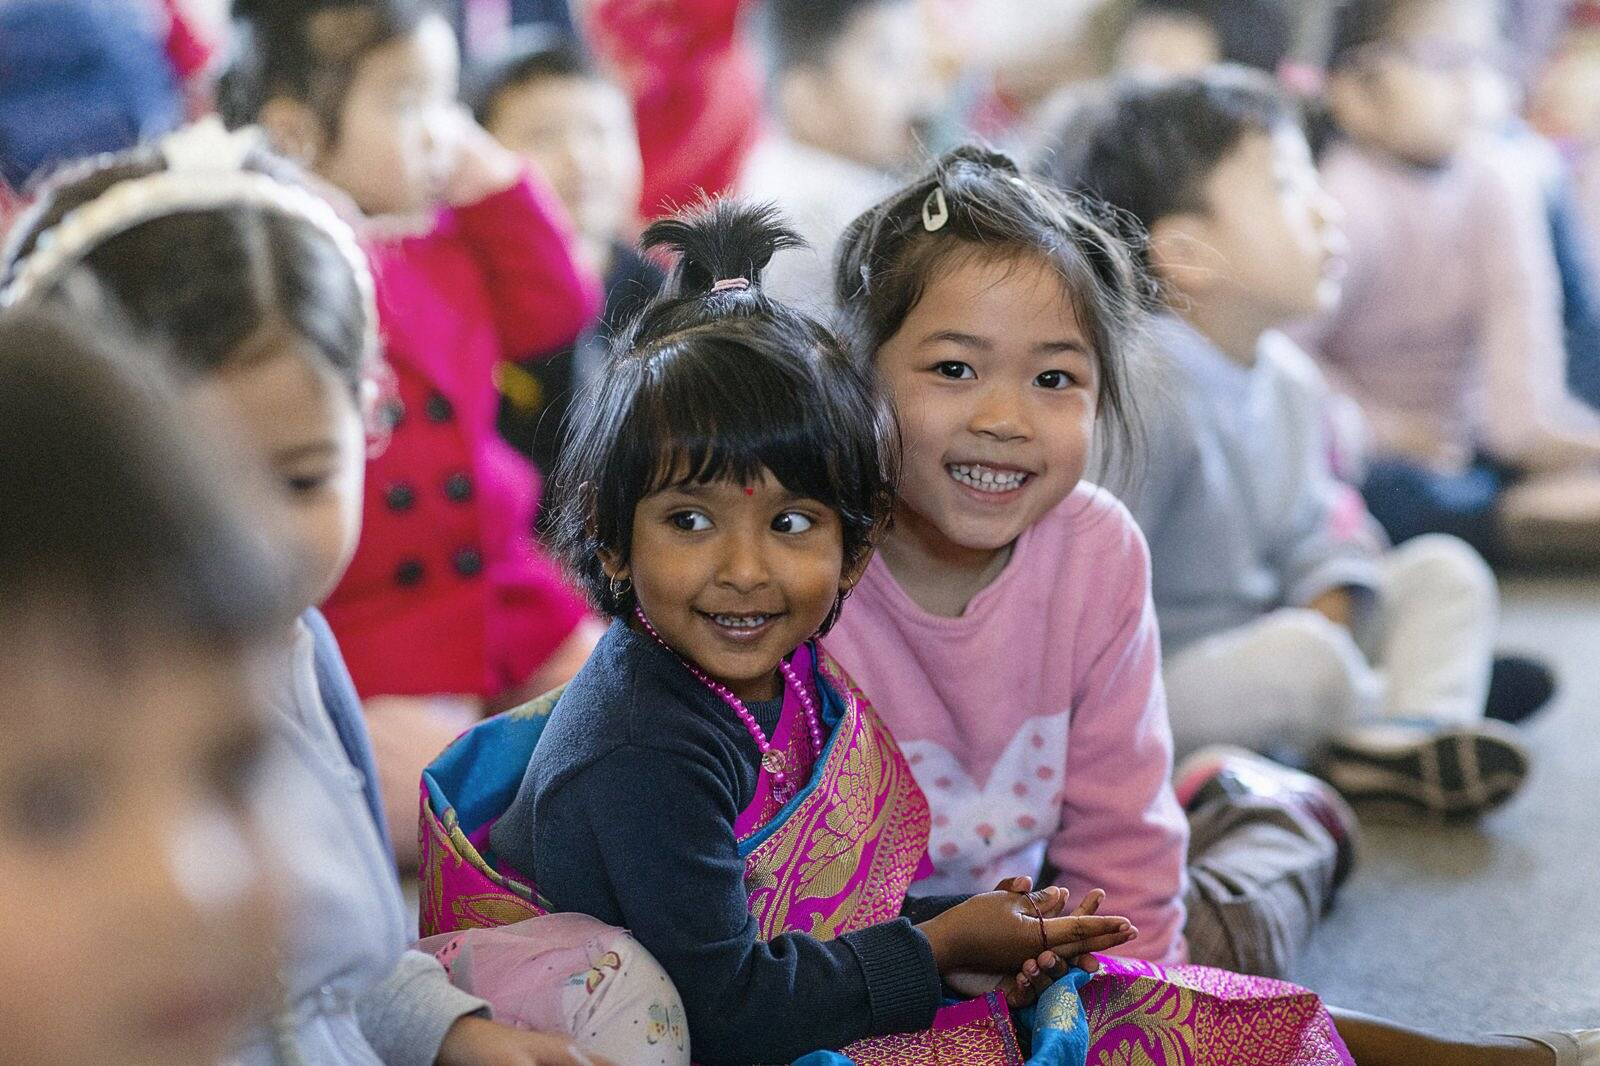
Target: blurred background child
point(1187, 36)
point(1286, 624)
point(549, 103)
point(140, 920)
point(850, 91)
point(1449, 333)
point(1566, 107)
point(447, 594)
point(78, 77)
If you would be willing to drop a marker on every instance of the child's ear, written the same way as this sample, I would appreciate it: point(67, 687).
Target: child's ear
point(1181, 255)
point(294, 130)
point(855, 569)
point(612, 564)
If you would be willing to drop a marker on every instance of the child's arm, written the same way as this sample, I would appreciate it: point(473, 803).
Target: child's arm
point(1327, 558)
point(519, 234)
point(406, 1016)
point(1121, 827)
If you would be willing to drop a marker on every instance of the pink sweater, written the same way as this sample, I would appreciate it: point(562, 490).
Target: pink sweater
point(1449, 332)
point(1036, 722)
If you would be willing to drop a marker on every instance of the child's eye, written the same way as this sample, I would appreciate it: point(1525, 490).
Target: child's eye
point(954, 370)
point(1055, 379)
point(307, 484)
point(690, 521)
point(792, 522)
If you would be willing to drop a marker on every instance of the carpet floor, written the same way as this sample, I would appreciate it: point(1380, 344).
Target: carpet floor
point(1496, 925)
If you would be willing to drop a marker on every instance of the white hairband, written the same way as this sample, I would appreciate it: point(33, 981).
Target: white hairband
point(205, 169)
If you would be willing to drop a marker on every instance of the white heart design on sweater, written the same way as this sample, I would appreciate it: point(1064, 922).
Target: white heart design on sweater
point(980, 835)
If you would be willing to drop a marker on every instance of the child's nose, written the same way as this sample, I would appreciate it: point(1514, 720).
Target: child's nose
point(999, 414)
point(744, 564)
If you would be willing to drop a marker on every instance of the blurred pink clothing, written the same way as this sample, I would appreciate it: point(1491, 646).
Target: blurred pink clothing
point(1449, 334)
point(448, 592)
point(1036, 722)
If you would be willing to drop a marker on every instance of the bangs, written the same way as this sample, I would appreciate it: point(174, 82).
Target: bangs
point(725, 416)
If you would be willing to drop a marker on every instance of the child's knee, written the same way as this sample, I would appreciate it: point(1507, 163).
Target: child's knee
point(1307, 644)
point(638, 1015)
point(1439, 566)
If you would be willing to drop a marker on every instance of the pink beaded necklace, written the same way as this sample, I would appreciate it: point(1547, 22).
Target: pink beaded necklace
point(772, 760)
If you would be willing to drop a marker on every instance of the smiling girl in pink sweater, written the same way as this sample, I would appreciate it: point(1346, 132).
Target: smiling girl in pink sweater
point(1005, 628)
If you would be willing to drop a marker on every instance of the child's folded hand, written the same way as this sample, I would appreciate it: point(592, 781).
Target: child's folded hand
point(1020, 938)
point(1036, 974)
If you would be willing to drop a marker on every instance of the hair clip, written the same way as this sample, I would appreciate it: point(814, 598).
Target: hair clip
point(730, 285)
point(935, 212)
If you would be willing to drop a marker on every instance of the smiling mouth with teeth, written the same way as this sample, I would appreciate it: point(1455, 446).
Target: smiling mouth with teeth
point(986, 478)
point(741, 621)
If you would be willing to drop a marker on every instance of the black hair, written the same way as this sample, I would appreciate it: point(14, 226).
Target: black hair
point(1252, 33)
point(309, 51)
point(888, 256)
point(207, 281)
point(547, 56)
point(806, 32)
point(712, 383)
point(112, 517)
point(1358, 24)
point(1147, 148)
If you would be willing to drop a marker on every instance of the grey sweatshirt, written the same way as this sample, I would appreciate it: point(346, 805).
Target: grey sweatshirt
point(356, 995)
point(1235, 490)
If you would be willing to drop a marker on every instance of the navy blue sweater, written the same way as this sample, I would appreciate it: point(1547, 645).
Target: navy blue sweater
point(626, 813)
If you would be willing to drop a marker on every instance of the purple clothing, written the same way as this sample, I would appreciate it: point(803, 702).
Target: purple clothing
point(1036, 722)
point(1450, 332)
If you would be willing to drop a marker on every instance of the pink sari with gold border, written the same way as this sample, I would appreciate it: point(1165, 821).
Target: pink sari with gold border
point(840, 856)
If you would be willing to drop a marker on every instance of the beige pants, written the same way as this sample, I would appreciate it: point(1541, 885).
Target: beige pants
point(1293, 679)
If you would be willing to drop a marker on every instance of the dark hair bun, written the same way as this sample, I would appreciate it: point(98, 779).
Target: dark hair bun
point(718, 240)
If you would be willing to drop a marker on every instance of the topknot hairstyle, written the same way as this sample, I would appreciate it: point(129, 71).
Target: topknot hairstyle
point(716, 381)
point(889, 255)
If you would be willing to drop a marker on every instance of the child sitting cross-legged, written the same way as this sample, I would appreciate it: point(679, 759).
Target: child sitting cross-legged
point(1287, 623)
point(1449, 330)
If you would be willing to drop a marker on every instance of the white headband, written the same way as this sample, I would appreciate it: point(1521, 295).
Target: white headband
point(205, 169)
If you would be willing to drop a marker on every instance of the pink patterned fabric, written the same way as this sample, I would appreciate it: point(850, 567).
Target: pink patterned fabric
point(1141, 1014)
point(792, 738)
point(840, 857)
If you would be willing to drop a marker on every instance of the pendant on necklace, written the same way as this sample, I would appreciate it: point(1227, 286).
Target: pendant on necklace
point(773, 761)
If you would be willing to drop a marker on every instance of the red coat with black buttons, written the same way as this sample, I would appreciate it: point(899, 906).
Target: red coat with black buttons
point(448, 591)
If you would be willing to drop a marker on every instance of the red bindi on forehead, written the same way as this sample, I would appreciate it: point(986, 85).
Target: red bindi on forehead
point(749, 491)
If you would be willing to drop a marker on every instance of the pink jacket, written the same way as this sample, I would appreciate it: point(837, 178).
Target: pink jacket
point(448, 592)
